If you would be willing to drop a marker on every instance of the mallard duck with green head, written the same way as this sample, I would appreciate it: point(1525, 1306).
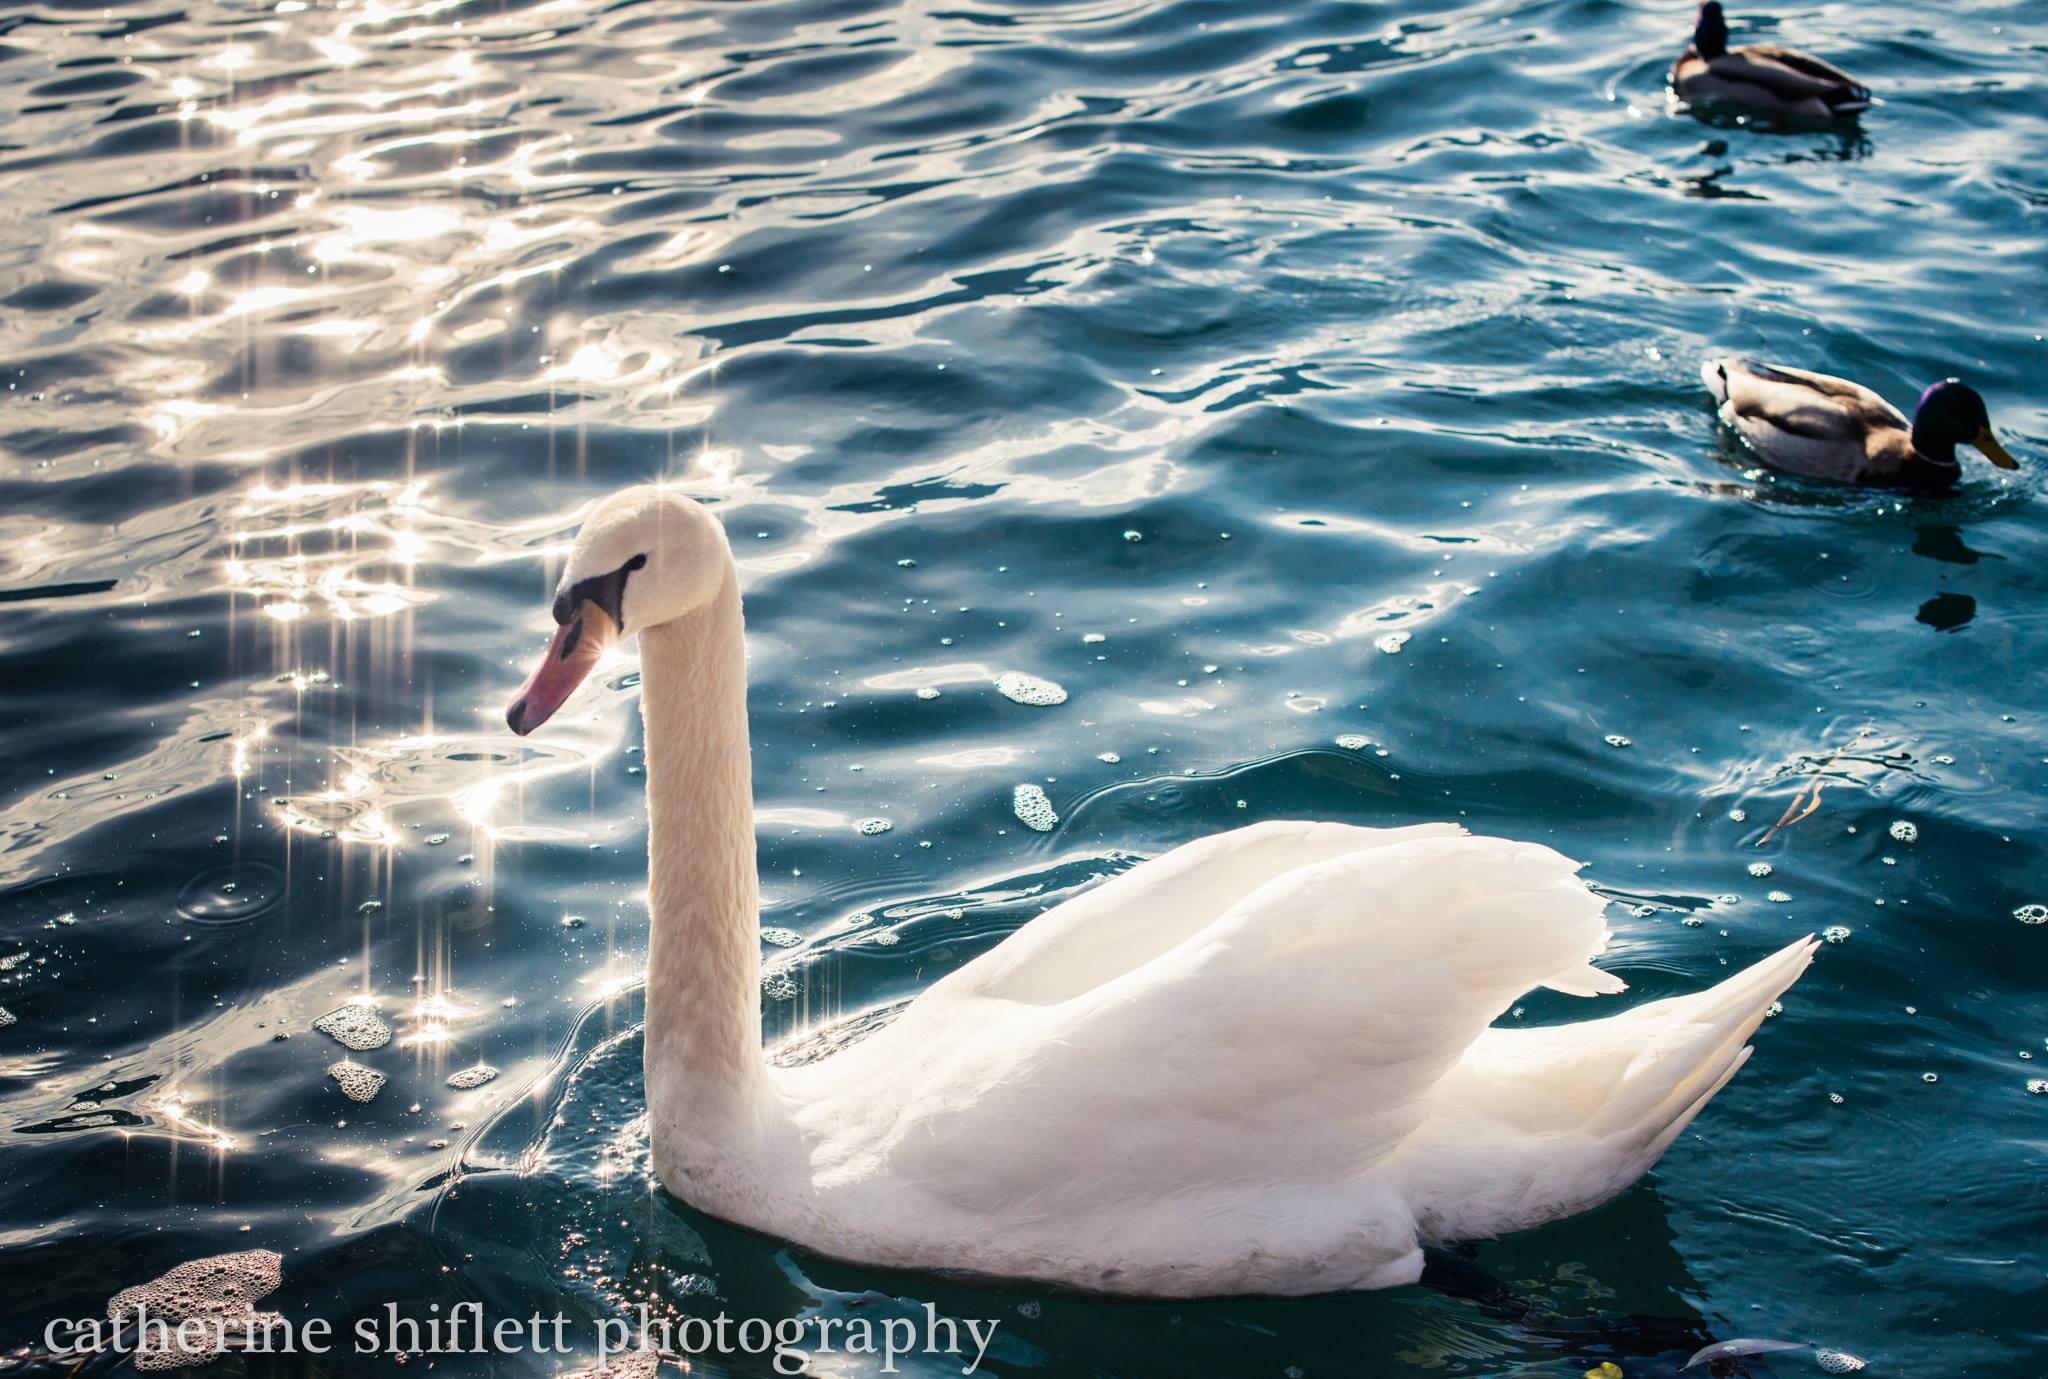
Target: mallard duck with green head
point(1820, 427)
point(1762, 78)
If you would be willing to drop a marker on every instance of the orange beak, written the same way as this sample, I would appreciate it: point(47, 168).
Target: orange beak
point(578, 645)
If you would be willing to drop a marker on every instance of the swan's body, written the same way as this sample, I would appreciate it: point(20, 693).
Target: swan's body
point(1821, 427)
point(1261, 1063)
point(1761, 78)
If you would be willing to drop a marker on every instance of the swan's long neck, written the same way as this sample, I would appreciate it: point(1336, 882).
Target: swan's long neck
point(705, 1080)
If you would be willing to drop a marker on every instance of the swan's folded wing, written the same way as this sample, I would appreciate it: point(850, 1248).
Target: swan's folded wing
point(1131, 919)
point(1299, 1036)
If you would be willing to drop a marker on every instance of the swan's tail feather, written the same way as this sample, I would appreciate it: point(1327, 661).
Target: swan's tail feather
point(1687, 1047)
point(1567, 1116)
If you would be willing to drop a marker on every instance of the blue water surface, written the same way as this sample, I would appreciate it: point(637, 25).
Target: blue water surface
point(1309, 388)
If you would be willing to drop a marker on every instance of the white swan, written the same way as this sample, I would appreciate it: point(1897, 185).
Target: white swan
point(1262, 1063)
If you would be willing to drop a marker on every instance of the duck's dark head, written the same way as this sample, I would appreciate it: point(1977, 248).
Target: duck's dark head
point(1951, 413)
point(1710, 30)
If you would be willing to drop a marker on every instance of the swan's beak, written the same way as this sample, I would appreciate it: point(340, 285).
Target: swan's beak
point(1993, 451)
point(578, 645)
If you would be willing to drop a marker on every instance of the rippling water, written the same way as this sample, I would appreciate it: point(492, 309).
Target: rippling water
point(1308, 388)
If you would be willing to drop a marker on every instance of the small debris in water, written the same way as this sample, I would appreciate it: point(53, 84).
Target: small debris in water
point(473, 1077)
point(357, 1082)
point(1835, 933)
point(436, 840)
point(1391, 642)
point(369, 907)
point(356, 1025)
point(1738, 815)
point(1730, 1350)
point(1134, 536)
point(1354, 742)
point(1759, 868)
point(781, 938)
point(1779, 897)
point(6, 1017)
point(1929, 1077)
point(1033, 809)
point(871, 827)
point(1020, 688)
point(2038, 1086)
point(1905, 831)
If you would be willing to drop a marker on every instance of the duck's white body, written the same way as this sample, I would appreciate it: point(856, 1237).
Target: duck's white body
point(1262, 1063)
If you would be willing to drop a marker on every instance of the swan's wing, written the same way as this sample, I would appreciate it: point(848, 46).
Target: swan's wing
point(1300, 1033)
point(1134, 917)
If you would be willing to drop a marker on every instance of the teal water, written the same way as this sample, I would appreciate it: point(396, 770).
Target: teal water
point(1240, 337)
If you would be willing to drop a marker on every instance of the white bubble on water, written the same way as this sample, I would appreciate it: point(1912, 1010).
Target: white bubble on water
point(217, 1292)
point(357, 1082)
point(1111, 757)
point(356, 1025)
point(1759, 868)
point(2031, 914)
point(1904, 830)
point(1780, 897)
point(1033, 809)
point(1837, 1361)
point(470, 1078)
point(1391, 642)
point(1354, 742)
point(1738, 815)
point(778, 985)
point(871, 827)
point(1617, 740)
point(780, 937)
point(927, 691)
point(2038, 1086)
point(1835, 933)
point(1020, 688)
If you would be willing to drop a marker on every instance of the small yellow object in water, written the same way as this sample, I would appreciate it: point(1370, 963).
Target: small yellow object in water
point(1606, 1369)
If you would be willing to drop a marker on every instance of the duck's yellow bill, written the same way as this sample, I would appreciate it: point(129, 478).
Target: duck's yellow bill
point(1993, 451)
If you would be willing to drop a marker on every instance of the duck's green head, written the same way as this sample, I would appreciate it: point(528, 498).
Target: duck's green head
point(1950, 414)
point(1710, 30)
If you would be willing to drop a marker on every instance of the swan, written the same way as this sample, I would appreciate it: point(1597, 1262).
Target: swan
point(1822, 427)
point(1262, 1063)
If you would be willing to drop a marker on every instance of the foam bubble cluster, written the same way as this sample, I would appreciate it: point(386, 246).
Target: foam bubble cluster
point(780, 937)
point(1020, 688)
point(355, 1026)
point(1905, 830)
point(468, 1079)
point(2031, 914)
point(1837, 1361)
point(872, 827)
point(218, 1292)
point(1391, 642)
point(1033, 809)
point(357, 1082)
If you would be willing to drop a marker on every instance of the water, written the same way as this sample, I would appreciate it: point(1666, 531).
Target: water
point(1188, 355)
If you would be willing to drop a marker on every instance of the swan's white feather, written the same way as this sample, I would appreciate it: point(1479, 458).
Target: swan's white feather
point(1262, 1062)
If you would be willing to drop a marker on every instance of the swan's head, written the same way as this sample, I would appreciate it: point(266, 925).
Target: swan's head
point(644, 557)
